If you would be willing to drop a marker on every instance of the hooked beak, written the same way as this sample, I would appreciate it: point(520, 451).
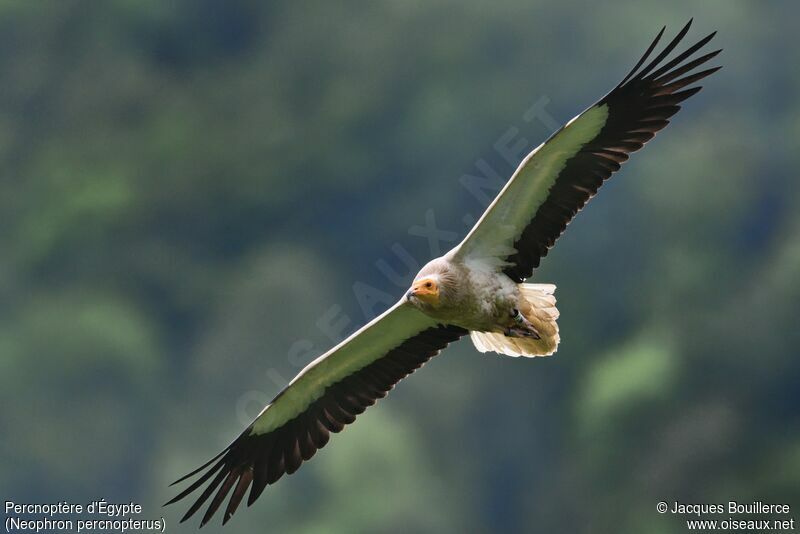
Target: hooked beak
point(410, 294)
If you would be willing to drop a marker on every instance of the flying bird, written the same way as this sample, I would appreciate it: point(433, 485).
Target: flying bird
point(478, 288)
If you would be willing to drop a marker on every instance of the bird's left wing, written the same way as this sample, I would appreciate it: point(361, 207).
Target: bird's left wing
point(555, 180)
point(323, 398)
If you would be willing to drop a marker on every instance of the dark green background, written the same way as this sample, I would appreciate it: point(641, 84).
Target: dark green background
point(188, 188)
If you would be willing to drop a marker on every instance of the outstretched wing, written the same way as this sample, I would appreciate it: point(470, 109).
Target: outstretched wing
point(323, 398)
point(557, 179)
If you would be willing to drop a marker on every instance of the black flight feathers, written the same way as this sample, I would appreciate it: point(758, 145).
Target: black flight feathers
point(254, 461)
point(638, 107)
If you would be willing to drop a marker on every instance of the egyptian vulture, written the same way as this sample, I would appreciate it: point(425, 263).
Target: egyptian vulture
point(477, 288)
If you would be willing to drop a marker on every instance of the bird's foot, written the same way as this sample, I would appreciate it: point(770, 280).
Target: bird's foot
point(521, 327)
point(514, 331)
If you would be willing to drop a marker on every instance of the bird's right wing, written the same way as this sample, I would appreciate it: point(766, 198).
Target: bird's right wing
point(323, 398)
point(557, 179)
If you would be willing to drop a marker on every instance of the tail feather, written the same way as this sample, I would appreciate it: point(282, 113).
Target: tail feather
point(539, 307)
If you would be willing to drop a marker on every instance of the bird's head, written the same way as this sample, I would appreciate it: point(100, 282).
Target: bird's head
point(426, 291)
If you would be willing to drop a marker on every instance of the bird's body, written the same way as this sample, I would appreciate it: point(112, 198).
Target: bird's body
point(478, 288)
point(474, 294)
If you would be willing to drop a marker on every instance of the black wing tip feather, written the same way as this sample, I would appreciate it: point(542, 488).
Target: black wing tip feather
point(646, 54)
point(255, 461)
point(655, 69)
point(197, 470)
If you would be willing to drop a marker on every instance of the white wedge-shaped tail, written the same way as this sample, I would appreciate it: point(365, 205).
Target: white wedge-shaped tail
point(539, 307)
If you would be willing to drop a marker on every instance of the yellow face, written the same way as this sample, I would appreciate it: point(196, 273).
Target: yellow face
point(425, 290)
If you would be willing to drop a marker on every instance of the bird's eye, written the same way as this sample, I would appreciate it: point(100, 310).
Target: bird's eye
point(428, 285)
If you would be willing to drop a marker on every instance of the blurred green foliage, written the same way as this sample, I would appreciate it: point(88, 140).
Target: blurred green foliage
point(189, 191)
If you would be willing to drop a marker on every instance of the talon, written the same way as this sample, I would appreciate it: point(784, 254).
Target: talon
point(520, 326)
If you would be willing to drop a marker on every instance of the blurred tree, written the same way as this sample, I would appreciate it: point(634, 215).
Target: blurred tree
point(163, 164)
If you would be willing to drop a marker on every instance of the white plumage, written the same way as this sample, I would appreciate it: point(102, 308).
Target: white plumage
point(543, 316)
